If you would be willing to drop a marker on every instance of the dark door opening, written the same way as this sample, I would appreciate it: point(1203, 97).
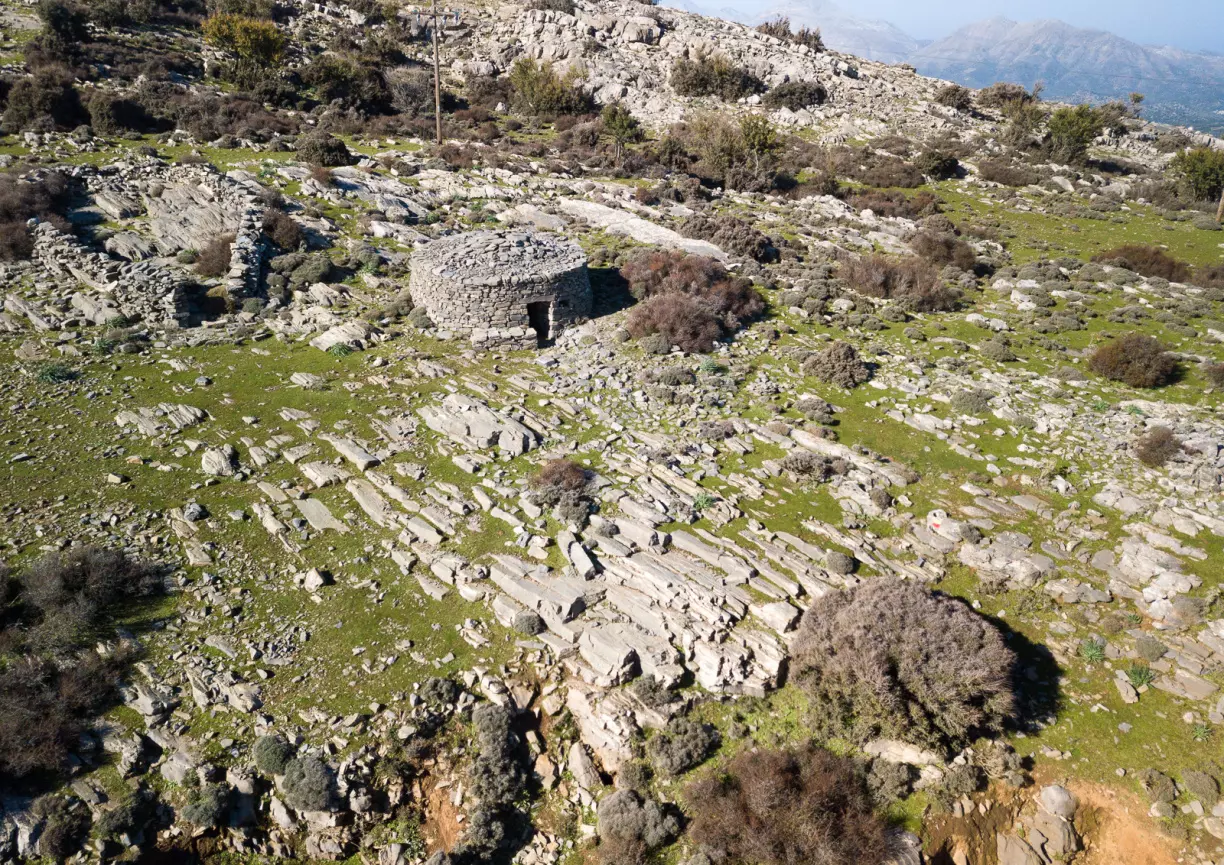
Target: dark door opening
point(538, 315)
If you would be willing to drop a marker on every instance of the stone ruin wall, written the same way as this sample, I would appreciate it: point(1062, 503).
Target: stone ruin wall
point(492, 308)
point(501, 303)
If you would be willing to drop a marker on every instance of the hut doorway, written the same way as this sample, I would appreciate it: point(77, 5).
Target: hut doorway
point(539, 316)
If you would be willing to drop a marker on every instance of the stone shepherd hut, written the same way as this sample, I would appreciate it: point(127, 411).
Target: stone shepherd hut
point(513, 289)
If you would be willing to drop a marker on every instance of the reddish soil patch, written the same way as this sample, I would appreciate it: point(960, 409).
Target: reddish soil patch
point(1117, 829)
point(441, 828)
point(1113, 823)
point(973, 834)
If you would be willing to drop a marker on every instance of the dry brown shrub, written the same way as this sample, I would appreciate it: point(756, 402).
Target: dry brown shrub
point(894, 202)
point(1146, 260)
point(734, 235)
point(785, 807)
point(999, 171)
point(943, 248)
point(1210, 277)
point(1214, 373)
point(1135, 359)
point(908, 279)
point(689, 322)
point(214, 259)
point(16, 242)
point(560, 474)
point(838, 364)
point(282, 229)
point(1157, 446)
point(891, 173)
point(889, 658)
point(691, 299)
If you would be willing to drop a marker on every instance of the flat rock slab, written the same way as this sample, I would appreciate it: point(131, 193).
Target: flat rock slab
point(352, 451)
point(319, 517)
point(627, 225)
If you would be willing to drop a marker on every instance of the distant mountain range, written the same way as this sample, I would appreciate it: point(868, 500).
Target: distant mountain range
point(1076, 64)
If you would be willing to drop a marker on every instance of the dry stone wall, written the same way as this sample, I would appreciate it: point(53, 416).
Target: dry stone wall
point(502, 287)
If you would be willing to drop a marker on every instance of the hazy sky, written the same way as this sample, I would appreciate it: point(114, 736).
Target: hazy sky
point(1194, 24)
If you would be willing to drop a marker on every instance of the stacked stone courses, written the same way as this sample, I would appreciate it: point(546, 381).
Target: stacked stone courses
point(480, 283)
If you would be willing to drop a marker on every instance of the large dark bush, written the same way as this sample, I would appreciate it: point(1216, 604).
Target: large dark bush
point(889, 658)
point(44, 710)
point(1136, 359)
point(536, 89)
point(66, 595)
point(937, 164)
point(208, 118)
point(683, 320)
point(1071, 131)
point(1201, 172)
point(713, 75)
point(282, 229)
point(885, 172)
point(45, 101)
point(559, 476)
point(111, 115)
point(66, 826)
point(350, 82)
point(1146, 260)
point(630, 827)
point(955, 96)
point(325, 150)
point(497, 778)
point(795, 95)
point(309, 784)
point(894, 202)
point(272, 754)
point(682, 745)
point(787, 807)
point(838, 364)
point(64, 28)
point(208, 806)
point(1003, 94)
point(45, 197)
point(214, 259)
point(1001, 171)
point(733, 235)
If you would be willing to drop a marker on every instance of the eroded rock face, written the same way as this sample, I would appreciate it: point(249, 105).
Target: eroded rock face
point(189, 215)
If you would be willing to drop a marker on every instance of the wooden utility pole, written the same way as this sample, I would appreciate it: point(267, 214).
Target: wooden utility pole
point(437, 77)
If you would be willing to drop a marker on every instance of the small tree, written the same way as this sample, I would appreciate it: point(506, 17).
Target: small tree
point(1201, 172)
point(955, 97)
point(760, 138)
point(251, 39)
point(64, 27)
point(621, 125)
point(538, 89)
point(1071, 131)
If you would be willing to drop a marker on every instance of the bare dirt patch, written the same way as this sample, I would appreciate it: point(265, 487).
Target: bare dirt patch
point(441, 827)
point(1113, 823)
point(1117, 829)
